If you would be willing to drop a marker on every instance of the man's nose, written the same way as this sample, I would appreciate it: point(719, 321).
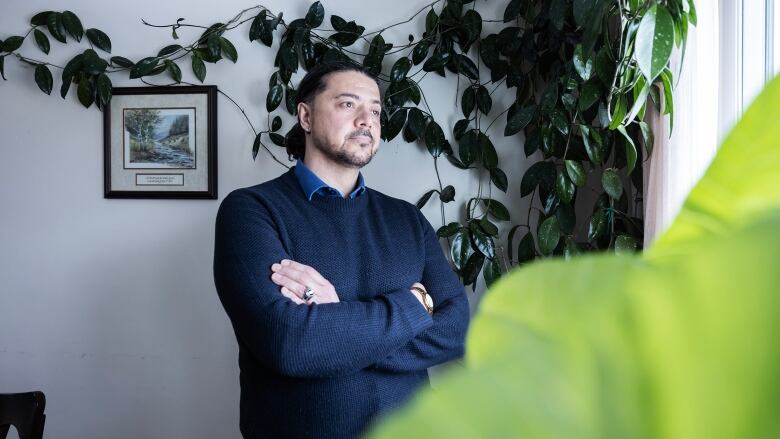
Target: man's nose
point(363, 118)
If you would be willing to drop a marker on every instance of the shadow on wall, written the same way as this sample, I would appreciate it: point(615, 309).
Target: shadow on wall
point(680, 341)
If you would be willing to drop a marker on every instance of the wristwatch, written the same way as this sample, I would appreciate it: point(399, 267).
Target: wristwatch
point(427, 299)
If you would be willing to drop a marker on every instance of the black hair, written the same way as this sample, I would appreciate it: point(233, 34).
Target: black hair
point(310, 86)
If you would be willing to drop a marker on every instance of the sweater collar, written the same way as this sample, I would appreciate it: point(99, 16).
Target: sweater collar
point(312, 184)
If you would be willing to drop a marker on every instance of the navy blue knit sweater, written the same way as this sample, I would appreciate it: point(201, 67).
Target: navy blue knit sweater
point(328, 370)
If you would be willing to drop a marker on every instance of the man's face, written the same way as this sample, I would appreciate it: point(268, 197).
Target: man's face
point(344, 119)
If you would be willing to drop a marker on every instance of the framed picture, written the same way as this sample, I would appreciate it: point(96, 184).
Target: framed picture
point(161, 142)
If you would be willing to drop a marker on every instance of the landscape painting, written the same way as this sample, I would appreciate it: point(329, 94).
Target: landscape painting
point(159, 138)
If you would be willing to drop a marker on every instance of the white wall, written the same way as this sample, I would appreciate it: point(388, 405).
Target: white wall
point(108, 306)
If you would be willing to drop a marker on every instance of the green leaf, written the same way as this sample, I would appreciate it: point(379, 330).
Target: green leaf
point(316, 15)
point(274, 98)
point(256, 145)
point(540, 173)
point(424, 199)
point(571, 249)
point(472, 267)
point(597, 225)
point(666, 78)
point(276, 124)
point(2, 67)
point(513, 9)
point(85, 93)
point(99, 39)
point(612, 184)
point(567, 218)
point(289, 102)
point(277, 138)
point(576, 172)
point(654, 40)
point(214, 46)
point(104, 89)
point(469, 147)
point(589, 95)
point(484, 101)
point(586, 11)
point(43, 78)
point(431, 21)
point(467, 101)
point(42, 41)
point(519, 119)
point(448, 230)
point(641, 90)
point(488, 154)
point(400, 69)
point(447, 194)
point(584, 67)
point(491, 272)
point(198, 68)
point(174, 70)
point(72, 25)
point(168, 50)
point(483, 243)
point(594, 147)
point(40, 19)
point(93, 64)
point(420, 51)
point(549, 98)
point(143, 67)
point(549, 235)
point(558, 13)
point(564, 188)
point(496, 208)
point(526, 250)
point(488, 227)
point(467, 67)
point(460, 250)
point(559, 121)
point(56, 27)
point(396, 123)
point(415, 124)
point(12, 43)
point(228, 49)
point(434, 139)
point(625, 244)
point(498, 177)
point(631, 153)
point(121, 61)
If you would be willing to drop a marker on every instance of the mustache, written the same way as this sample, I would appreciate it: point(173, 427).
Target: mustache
point(357, 133)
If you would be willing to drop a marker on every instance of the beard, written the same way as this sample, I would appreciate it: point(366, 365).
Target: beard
point(343, 155)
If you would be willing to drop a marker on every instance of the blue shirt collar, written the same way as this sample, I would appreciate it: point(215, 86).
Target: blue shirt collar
point(312, 184)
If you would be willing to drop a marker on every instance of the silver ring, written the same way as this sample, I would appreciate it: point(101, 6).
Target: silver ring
point(308, 294)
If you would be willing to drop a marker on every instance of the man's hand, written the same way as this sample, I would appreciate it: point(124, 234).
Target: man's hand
point(294, 277)
point(418, 295)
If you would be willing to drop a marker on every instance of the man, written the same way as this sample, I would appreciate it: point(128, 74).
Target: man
point(328, 283)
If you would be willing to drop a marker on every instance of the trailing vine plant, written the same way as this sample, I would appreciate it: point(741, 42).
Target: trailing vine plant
point(582, 72)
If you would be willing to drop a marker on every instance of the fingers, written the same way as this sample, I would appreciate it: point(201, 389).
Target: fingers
point(292, 285)
point(292, 296)
point(304, 271)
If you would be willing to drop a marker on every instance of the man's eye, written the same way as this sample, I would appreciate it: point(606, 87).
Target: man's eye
point(347, 104)
point(376, 112)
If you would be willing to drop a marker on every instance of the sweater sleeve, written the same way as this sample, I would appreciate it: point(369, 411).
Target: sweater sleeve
point(444, 340)
point(288, 338)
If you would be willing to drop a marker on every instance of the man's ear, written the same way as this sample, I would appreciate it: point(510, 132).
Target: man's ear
point(304, 116)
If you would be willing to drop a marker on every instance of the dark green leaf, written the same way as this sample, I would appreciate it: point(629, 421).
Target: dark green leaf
point(576, 172)
point(472, 267)
point(597, 225)
point(589, 94)
point(431, 20)
point(540, 173)
point(198, 68)
point(594, 146)
point(42, 41)
point(526, 251)
point(424, 199)
point(519, 119)
point(549, 98)
point(612, 184)
point(99, 39)
point(467, 67)
point(448, 230)
point(72, 25)
point(56, 27)
point(2, 67)
point(498, 177)
point(416, 124)
point(469, 147)
point(396, 123)
point(586, 11)
point(277, 138)
point(567, 218)
point(460, 128)
point(93, 64)
point(174, 70)
point(85, 93)
point(460, 249)
point(549, 235)
point(274, 98)
point(257, 28)
point(43, 78)
point(447, 194)
point(400, 69)
point(104, 89)
point(488, 227)
point(471, 23)
point(625, 244)
point(483, 243)
point(143, 67)
point(40, 19)
point(228, 49)
point(467, 101)
point(121, 62)
point(256, 146)
point(315, 15)
point(167, 50)
point(559, 121)
point(631, 153)
point(558, 13)
point(13, 43)
point(434, 138)
point(513, 9)
point(214, 46)
point(488, 154)
point(420, 52)
point(484, 101)
point(289, 101)
point(583, 65)
point(571, 249)
point(564, 188)
point(276, 124)
point(496, 208)
point(491, 272)
point(437, 61)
